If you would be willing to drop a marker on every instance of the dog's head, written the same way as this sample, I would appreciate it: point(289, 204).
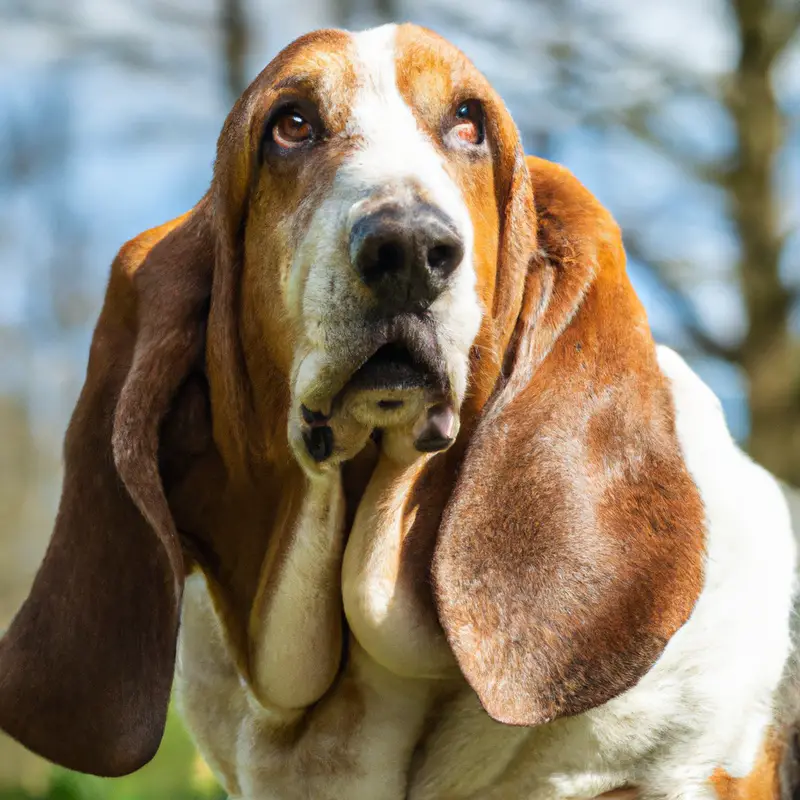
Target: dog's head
point(364, 178)
point(375, 252)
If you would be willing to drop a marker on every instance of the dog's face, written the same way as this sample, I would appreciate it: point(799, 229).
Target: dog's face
point(373, 224)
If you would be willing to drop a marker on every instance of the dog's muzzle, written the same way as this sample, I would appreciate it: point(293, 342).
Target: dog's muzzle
point(405, 254)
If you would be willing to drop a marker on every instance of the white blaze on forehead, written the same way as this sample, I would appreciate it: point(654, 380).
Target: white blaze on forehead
point(390, 158)
point(393, 148)
point(395, 152)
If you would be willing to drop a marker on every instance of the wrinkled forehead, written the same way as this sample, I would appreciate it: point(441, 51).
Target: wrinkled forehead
point(341, 71)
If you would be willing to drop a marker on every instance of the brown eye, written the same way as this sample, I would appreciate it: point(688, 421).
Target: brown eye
point(469, 124)
point(292, 129)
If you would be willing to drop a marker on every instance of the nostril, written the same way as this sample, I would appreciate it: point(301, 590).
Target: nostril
point(444, 258)
point(391, 257)
point(379, 257)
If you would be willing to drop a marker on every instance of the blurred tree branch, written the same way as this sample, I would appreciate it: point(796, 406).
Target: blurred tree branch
point(233, 25)
point(770, 350)
point(346, 12)
point(681, 302)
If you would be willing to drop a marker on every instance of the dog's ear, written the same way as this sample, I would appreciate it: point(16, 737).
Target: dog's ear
point(571, 549)
point(86, 667)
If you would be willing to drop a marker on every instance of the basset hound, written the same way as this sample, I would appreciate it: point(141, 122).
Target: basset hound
point(376, 453)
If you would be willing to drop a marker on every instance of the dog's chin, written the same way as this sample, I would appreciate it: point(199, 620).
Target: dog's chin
point(403, 388)
point(398, 384)
point(390, 389)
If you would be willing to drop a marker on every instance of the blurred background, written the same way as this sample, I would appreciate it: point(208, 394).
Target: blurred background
point(682, 116)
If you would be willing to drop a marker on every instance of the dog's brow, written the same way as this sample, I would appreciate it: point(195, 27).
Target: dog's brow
point(298, 82)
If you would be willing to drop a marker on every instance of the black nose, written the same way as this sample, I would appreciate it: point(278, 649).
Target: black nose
point(405, 254)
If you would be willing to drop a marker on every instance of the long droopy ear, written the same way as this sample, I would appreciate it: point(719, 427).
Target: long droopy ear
point(572, 546)
point(86, 666)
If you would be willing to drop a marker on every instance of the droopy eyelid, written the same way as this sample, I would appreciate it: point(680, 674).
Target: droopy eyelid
point(288, 102)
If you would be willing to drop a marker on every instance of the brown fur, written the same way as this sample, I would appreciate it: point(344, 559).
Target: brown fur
point(566, 536)
point(571, 549)
point(86, 667)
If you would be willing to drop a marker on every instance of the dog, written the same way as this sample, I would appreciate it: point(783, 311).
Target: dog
point(377, 454)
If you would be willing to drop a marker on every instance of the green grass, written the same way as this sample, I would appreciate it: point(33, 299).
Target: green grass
point(176, 773)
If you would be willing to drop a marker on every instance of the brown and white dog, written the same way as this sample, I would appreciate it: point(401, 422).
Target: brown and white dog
point(381, 424)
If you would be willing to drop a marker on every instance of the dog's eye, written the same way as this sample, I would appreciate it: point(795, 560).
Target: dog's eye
point(291, 129)
point(469, 123)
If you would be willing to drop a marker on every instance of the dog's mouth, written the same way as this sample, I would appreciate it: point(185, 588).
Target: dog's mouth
point(407, 359)
point(400, 381)
point(392, 367)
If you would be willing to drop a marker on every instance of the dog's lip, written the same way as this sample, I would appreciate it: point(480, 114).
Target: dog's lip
point(392, 365)
point(409, 346)
point(403, 355)
point(333, 386)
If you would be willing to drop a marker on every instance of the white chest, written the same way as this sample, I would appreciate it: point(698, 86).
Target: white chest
point(377, 736)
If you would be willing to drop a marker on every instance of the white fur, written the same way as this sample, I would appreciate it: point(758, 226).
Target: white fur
point(396, 150)
point(390, 615)
point(393, 147)
point(296, 651)
point(725, 663)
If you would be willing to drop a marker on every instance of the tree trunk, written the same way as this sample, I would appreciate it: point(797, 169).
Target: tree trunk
point(233, 26)
point(770, 353)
